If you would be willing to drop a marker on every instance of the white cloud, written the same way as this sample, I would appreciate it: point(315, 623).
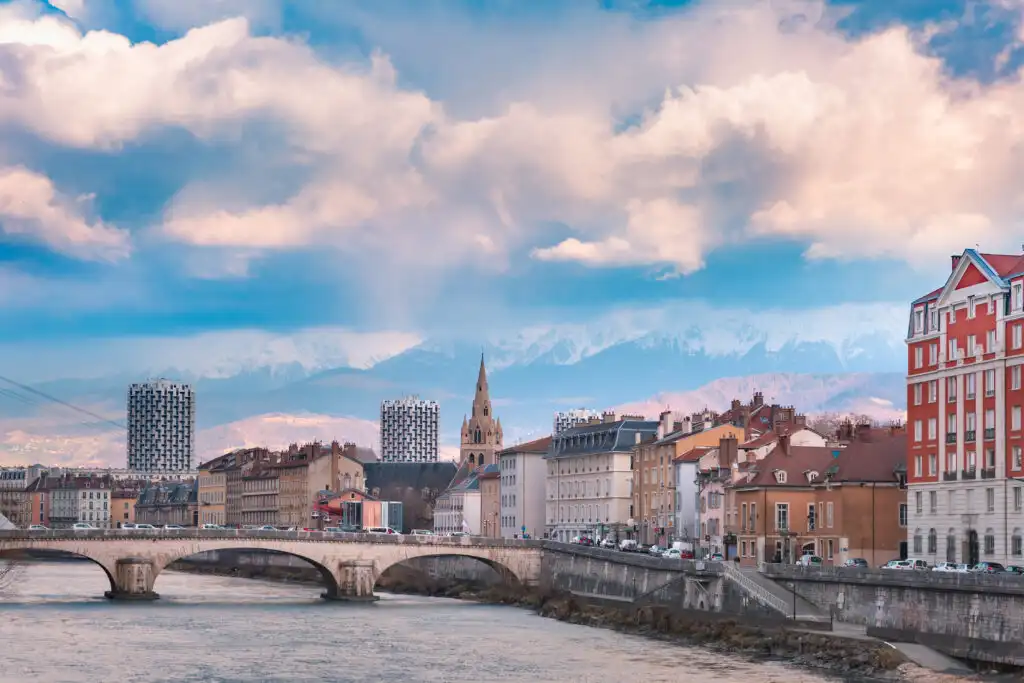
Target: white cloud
point(764, 128)
point(32, 208)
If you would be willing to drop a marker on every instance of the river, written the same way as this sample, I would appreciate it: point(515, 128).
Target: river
point(56, 628)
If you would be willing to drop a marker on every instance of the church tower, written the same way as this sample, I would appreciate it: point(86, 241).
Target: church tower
point(481, 431)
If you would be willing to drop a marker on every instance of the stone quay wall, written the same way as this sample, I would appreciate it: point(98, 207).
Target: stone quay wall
point(972, 616)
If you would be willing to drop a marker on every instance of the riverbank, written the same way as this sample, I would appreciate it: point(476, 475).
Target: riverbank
point(854, 659)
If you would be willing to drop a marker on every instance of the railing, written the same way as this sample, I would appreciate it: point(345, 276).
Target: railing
point(970, 435)
point(754, 590)
point(949, 476)
point(969, 474)
point(950, 437)
point(988, 473)
point(990, 433)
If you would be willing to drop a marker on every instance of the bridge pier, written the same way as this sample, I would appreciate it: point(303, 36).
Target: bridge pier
point(133, 578)
point(355, 580)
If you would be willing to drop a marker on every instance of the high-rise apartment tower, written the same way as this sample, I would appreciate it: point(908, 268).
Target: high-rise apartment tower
point(161, 427)
point(409, 430)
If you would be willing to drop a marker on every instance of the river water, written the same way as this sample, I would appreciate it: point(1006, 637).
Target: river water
point(56, 628)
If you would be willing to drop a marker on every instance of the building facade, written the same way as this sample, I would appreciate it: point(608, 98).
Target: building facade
point(490, 501)
point(213, 491)
point(523, 484)
point(409, 429)
point(122, 506)
point(965, 396)
point(589, 483)
point(76, 500)
point(161, 427)
point(568, 419)
point(169, 503)
point(481, 431)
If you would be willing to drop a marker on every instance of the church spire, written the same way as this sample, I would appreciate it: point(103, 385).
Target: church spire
point(481, 378)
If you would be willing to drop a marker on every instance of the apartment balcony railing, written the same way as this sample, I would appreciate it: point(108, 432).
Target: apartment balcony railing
point(990, 433)
point(950, 437)
point(988, 473)
point(970, 475)
point(970, 435)
point(949, 476)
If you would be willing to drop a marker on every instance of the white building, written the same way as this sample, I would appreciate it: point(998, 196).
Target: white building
point(458, 508)
point(573, 418)
point(965, 396)
point(523, 483)
point(80, 504)
point(161, 427)
point(590, 478)
point(409, 430)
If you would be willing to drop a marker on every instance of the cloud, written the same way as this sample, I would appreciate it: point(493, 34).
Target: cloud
point(32, 208)
point(180, 16)
point(761, 121)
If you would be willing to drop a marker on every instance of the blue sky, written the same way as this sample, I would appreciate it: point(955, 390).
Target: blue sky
point(503, 161)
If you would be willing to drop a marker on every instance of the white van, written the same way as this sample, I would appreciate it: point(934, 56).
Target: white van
point(386, 530)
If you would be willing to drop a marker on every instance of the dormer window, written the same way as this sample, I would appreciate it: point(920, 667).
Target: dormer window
point(918, 320)
point(780, 476)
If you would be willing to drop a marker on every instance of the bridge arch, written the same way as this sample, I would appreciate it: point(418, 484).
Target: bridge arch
point(329, 578)
point(43, 554)
point(506, 574)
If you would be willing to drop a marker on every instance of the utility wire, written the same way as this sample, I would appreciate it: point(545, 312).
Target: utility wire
point(54, 399)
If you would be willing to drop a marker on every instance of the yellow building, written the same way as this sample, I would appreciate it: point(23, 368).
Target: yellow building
point(122, 507)
point(213, 491)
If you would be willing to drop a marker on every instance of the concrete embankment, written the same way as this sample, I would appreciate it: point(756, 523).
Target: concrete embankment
point(856, 659)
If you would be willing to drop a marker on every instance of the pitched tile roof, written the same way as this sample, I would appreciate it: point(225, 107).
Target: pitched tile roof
point(794, 462)
point(694, 454)
point(538, 446)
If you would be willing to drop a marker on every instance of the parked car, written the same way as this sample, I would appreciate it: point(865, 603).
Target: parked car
point(82, 526)
point(382, 530)
point(457, 534)
point(672, 554)
point(608, 543)
point(950, 567)
point(173, 527)
point(1015, 569)
point(423, 532)
point(918, 565)
point(810, 561)
point(211, 527)
point(37, 527)
point(583, 540)
point(350, 529)
point(715, 557)
point(856, 563)
point(989, 568)
point(144, 527)
point(902, 565)
point(332, 530)
point(627, 545)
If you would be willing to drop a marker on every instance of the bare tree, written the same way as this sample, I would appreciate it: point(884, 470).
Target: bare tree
point(8, 573)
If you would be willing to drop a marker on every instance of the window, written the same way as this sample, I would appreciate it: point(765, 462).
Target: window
point(919, 320)
point(917, 394)
point(951, 390)
point(1016, 546)
point(1015, 418)
point(917, 541)
point(829, 516)
point(990, 458)
point(811, 517)
point(951, 461)
point(951, 423)
point(990, 420)
point(990, 542)
point(933, 501)
point(933, 391)
point(831, 548)
point(918, 469)
point(971, 306)
point(972, 383)
point(972, 345)
point(753, 515)
point(1018, 296)
point(743, 548)
point(1015, 377)
point(951, 546)
point(953, 351)
point(990, 342)
point(933, 465)
point(918, 357)
point(972, 421)
point(1017, 491)
point(990, 382)
point(933, 428)
point(990, 500)
point(1017, 464)
point(917, 430)
point(743, 517)
point(918, 502)
point(952, 314)
point(903, 514)
point(1018, 336)
point(933, 349)
point(781, 516)
point(933, 542)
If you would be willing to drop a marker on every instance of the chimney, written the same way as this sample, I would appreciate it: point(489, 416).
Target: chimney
point(864, 432)
point(956, 261)
point(666, 424)
point(735, 407)
point(728, 452)
point(784, 443)
point(758, 399)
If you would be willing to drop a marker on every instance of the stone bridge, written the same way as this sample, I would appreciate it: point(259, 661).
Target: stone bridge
point(349, 563)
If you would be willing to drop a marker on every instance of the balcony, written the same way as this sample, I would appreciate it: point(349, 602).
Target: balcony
point(949, 476)
point(950, 437)
point(969, 475)
point(990, 433)
point(970, 435)
point(988, 473)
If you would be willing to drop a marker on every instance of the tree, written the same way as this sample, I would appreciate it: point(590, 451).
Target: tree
point(8, 573)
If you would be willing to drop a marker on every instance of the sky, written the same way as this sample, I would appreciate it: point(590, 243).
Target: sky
point(404, 169)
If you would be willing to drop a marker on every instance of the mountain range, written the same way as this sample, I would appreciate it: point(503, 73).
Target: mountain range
point(265, 395)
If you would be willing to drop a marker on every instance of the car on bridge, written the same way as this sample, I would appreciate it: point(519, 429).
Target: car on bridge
point(38, 527)
point(383, 530)
point(83, 526)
